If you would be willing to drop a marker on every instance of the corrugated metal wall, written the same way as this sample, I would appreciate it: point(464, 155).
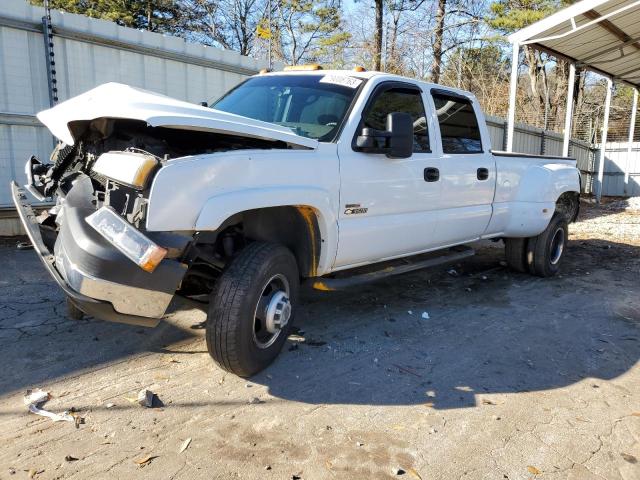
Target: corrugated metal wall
point(539, 142)
point(88, 53)
point(621, 169)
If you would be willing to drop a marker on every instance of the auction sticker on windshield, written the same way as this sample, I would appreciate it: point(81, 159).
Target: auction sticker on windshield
point(343, 80)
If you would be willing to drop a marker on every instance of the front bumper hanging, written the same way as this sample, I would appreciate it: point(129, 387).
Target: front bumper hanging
point(94, 307)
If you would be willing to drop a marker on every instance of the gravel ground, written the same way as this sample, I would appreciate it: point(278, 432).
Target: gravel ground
point(510, 377)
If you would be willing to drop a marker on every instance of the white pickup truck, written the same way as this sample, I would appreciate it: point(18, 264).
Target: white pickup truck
point(318, 175)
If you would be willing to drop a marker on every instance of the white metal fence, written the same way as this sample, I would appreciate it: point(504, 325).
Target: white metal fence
point(90, 52)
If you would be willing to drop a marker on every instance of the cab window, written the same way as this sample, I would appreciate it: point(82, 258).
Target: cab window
point(459, 129)
point(405, 100)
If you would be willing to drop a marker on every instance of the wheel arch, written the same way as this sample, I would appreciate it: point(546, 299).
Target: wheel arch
point(294, 226)
point(568, 205)
point(308, 207)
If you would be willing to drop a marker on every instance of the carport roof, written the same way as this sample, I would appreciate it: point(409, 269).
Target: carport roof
point(601, 35)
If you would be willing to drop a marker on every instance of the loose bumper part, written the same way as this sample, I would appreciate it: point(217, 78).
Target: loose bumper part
point(98, 279)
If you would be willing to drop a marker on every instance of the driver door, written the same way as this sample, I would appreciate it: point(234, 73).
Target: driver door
point(388, 207)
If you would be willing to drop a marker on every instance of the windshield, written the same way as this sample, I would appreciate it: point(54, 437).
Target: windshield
point(312, 106)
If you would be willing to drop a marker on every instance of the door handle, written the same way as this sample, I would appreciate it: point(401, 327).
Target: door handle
point(431, 174)
point(483, 173)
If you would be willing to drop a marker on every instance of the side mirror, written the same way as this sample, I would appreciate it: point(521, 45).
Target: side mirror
point(400, 125)
point(396, 141)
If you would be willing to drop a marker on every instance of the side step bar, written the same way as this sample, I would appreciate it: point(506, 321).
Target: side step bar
point(455, 254)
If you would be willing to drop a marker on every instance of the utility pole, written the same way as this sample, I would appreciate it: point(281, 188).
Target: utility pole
point(269, 61)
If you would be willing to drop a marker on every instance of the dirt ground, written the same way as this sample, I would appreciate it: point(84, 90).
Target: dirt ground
point(509, 377)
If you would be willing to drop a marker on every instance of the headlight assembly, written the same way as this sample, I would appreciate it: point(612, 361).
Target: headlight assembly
point(131, 168)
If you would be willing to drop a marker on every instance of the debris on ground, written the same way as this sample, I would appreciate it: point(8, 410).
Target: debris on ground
point(398, 471)
point(533, 470)
point(425, 315)
point(147, 398)
point(110, 405)
point(143, 462)
point(69, 458)
point(359, 444)
point(453, 272)
point(406, 370)
point(24, 246)
point(185, 445)
point(34, 399)
point(255, 401)
point(294, 337)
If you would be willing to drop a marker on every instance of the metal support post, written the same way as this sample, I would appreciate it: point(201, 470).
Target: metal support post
point(568, 117)
point(513, 87)
point(632, 130)
point(603, 141)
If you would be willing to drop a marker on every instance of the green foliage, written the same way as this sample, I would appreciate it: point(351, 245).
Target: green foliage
point(308, 30)
point(508, 16)
point(154, 15)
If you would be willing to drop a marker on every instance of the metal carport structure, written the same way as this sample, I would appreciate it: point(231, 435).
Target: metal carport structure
point(598, 35)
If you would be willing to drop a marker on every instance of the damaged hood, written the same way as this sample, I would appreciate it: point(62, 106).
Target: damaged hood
point(115, 100)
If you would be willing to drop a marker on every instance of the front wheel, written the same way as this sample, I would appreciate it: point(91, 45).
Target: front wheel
point(251, 308)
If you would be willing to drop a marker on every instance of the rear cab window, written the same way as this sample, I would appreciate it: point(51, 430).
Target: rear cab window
point(459, 130)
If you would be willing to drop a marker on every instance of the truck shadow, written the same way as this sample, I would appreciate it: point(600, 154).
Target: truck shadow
point(489, 331)
point(38, 344)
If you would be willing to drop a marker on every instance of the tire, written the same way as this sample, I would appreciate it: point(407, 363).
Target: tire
point(515, 253)
point(545, 251)
point(251, 287)
point(73, 312)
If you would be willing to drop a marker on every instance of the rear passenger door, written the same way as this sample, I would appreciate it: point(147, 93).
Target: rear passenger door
point(467, 169)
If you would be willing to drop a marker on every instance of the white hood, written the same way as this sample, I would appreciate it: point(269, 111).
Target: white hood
point(115, 100)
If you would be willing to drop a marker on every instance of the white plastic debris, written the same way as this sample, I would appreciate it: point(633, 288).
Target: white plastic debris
point(409, 312)
point(185, 444)
point(35, 398)
point(425, 315)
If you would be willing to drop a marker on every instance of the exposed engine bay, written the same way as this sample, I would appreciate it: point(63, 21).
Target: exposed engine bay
point(103, 135)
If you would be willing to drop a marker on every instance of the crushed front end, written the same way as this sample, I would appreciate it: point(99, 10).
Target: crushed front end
point(93, 240)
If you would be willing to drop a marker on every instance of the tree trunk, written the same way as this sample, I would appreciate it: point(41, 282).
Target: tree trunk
point(377, 39)
point(436, 66)
point(149, 15)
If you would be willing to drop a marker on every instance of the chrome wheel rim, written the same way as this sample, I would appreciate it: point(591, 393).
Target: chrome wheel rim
point(557, 246)
point(272, 312)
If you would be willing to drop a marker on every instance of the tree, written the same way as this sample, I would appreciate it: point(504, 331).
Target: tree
point(438, 32)
point(152, 15)
point(378, 33)
point(508, 16)
point(230, 24)
point(304, 30)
